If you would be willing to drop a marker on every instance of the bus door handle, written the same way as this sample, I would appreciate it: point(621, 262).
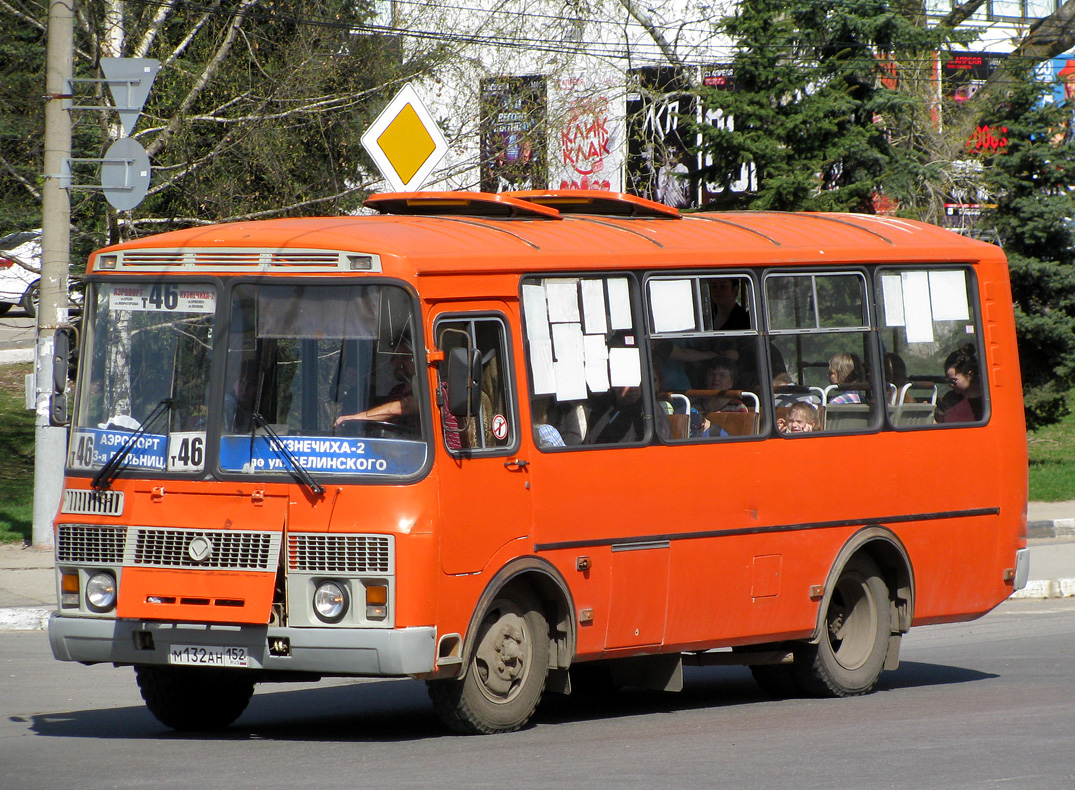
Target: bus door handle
point(516, 463)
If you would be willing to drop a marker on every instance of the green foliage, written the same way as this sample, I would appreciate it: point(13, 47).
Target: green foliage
point(1052, 463)
point(1032, 179)
point(17, 450)
point(257, 111)
point(810, 111)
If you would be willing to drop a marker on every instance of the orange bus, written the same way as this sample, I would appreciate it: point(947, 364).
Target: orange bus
point(513, 443)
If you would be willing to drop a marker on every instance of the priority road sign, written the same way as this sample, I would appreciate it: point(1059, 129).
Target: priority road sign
point(405, 142)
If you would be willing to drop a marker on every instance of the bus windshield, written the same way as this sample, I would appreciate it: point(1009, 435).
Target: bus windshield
point(321, 379)
point(149, 350)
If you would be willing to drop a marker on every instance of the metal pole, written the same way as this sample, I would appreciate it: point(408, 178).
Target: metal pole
point(50, 442)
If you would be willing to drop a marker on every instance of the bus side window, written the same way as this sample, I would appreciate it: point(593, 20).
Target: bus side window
point(931, 363)
point(705, 351)
point(492, 428)
point(820, 332)
point(585, 361)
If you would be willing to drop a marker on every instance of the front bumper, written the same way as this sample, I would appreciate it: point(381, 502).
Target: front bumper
point(367, 652)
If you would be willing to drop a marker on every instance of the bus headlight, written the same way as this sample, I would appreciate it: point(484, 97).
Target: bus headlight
point(330, 602)
point(101, 592)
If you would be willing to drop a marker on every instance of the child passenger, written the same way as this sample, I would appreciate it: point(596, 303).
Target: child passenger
point(802, 418)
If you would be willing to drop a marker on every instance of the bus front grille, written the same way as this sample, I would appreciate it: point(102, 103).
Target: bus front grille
point(182, 548)
point(84, 502)
point(86, 544)
point(320, 553)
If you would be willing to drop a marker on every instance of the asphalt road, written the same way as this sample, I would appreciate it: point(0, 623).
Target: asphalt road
point(980, 705)
point(16, 330)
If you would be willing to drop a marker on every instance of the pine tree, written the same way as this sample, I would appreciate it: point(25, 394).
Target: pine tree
point(810, 109)
point(1032, 177)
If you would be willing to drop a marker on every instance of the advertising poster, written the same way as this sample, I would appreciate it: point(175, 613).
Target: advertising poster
point(514, 148)
point(587, 132)
point(660, 165)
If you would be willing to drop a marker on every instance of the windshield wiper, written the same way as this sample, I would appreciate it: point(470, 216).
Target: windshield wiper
point(114, 465)
point(278, 444)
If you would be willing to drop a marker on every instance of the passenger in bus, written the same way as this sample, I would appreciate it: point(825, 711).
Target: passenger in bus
point(895, 372)
point(240, 398)
point(677, 359)
point(728, 314)
point(618, 417)
point(845, 371)
point(400, 406)
point(802, 418)
point(545, 433)
point(721, 376)
point(964, 403)
point(786, 392)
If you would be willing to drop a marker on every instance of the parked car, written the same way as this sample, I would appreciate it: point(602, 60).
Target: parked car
point(19, 283)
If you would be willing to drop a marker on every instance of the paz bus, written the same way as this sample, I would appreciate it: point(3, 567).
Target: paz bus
point(513, 444)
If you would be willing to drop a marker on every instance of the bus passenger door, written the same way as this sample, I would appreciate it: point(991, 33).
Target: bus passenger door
point(483, 482)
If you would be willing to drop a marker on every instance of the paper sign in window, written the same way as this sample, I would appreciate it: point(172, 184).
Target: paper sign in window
point(672, 305)
point(948, 296)
point(570, 362)
point(624, 367)
point(619, 303)
point(596, 353)
point(563, 297)
point(916, 307)
point(537, 315)
point(541, 366)
point(892, 294)
point(593, 307)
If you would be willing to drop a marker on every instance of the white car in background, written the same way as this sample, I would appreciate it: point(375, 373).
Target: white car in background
point(18, 284)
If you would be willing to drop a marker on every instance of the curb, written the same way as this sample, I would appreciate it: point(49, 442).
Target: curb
point(25, 618)
point(9, 356)
point(1056, 528)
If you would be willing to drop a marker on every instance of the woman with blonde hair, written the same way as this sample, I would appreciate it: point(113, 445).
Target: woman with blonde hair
point(845, 371)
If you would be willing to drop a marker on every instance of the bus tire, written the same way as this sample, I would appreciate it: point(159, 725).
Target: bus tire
point(849, 656)
point(194, 699)
point(506, 674)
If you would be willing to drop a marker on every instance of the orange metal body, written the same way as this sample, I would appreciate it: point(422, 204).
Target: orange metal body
point(736, 533)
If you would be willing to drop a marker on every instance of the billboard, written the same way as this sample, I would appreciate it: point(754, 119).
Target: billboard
point(513, 144)
point(660, 162)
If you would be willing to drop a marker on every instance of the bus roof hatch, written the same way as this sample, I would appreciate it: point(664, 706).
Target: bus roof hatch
point(460, 204)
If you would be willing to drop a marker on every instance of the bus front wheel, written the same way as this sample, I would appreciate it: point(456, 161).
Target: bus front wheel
point(850, 655)
point(194, 699)
point(506, 674)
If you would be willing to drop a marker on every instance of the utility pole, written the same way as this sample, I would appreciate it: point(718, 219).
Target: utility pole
point(51, 442)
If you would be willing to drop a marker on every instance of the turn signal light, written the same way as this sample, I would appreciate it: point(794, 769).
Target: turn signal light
point(376, 602)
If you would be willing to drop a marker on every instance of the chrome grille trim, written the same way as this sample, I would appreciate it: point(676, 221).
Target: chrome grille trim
point(95, 545)
point(86, 502)
point(238, 550)
point(321, 553)
point(241, 259)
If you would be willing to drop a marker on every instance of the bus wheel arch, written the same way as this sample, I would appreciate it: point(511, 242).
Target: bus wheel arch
point(520, 639)
point(867, 605)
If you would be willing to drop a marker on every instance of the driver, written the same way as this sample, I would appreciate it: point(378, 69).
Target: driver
point(400, 406)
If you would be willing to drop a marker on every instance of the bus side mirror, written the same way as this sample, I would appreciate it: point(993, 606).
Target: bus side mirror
point(59, 414)
point(464, 374)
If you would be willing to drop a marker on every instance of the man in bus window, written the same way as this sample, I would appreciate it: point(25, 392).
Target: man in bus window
point(400, 406)
point(618, 418)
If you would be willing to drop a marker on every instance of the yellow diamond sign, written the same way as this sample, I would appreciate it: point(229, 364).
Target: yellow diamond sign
point(405, 142)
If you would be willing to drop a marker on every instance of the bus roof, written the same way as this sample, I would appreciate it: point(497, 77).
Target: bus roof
point(438, 233)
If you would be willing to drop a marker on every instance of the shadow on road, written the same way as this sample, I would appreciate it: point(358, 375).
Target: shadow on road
point(399, 710)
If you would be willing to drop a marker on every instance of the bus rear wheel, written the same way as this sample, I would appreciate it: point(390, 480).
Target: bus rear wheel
point(194, 699)
point(850, 655)
point(506, 674)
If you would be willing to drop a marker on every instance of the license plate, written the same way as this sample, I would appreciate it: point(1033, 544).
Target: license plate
point(198, 656)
